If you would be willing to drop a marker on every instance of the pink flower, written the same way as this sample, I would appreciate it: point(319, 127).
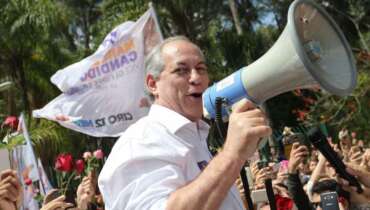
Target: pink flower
point(79, 166)
point(98, 154)
point(87, 155)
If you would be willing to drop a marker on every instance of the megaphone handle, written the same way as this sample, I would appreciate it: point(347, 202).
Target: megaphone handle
point(218, 118)
point(222, 132)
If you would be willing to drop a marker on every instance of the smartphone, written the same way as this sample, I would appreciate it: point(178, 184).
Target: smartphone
point(262, 164)
point(290, 140)
point(288, 144)
point(259, 196)
point(276, 167)
point(329, 201)
point(5, 162)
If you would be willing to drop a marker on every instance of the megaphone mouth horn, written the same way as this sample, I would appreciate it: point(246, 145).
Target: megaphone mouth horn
point(302, 17)
point(311, 51)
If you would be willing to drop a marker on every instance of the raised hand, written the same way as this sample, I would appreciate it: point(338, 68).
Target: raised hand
point(10, 190)
point(247, 125)
point(85, 192)
point(297, 155)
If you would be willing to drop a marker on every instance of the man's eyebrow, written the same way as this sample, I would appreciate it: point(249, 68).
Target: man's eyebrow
point(181, 63)
point(184, 63)
point(202, 63)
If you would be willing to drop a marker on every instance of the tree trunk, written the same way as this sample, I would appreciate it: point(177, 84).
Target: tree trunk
point(21, 80)
point(234, 12)
point(11, 108)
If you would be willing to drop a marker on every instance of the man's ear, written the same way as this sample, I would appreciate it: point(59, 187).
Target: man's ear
point(151, 84)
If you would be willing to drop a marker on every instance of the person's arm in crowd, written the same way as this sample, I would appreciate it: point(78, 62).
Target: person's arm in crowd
point(10, 190)
point(364, 177)
point(239, 185)
point(319, 169)
point(261, 175)
point(355, 155)
point(316, 173)
point(85, 192)
point(246, 126)
point(297, 155)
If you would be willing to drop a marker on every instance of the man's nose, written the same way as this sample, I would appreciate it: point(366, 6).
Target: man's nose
point(195, 76)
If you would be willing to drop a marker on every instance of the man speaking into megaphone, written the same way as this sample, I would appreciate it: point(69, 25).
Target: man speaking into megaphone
point(162, 161)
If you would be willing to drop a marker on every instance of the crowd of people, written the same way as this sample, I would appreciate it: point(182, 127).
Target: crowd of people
point(298, 181)
point(11, 194)
point(301, 179)
point(162, 161)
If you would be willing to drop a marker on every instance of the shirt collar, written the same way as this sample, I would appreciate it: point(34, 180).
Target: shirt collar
point(173, 120)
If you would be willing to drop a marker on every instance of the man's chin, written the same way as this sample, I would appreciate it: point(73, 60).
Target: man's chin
point(195, 116)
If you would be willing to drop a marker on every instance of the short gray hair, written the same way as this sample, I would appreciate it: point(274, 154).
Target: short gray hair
point(154, 63)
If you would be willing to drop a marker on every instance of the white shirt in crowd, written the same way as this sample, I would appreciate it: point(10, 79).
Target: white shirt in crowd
point(155, 156)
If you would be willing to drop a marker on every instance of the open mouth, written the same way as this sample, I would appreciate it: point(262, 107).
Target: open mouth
point(197, 95)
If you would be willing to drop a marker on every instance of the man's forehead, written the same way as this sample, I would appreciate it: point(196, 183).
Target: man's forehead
point(180, 46)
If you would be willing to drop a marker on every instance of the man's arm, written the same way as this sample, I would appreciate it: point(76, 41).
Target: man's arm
point(246, 126)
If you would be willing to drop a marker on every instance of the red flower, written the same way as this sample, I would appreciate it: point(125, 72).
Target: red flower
point(98, 154)
point(64, 162)
point(79, 166)
point(28, 181)
point(11, 122)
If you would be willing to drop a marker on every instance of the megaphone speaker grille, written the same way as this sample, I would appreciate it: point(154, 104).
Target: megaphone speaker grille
point(322, 47)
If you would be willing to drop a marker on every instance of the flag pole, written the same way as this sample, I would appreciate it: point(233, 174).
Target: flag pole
point(29, 143)
point(155, 19)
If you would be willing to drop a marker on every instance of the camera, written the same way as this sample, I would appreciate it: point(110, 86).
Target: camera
point(259, 196)
point(289, 140)
point(329, 201)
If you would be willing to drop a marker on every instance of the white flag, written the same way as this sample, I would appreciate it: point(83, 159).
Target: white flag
point(104, 93)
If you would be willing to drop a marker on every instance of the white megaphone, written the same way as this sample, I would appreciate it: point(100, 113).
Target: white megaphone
point(311, 51)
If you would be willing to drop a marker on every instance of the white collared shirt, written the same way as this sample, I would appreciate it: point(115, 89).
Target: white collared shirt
point(155, 156)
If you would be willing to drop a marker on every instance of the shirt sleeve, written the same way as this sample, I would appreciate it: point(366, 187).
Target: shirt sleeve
point(296, 190)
